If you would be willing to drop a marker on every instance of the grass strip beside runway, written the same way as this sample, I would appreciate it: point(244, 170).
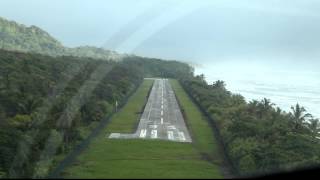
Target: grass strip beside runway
point(198, 125)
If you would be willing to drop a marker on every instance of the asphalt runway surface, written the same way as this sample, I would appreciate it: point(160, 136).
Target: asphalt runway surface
point(161, 118)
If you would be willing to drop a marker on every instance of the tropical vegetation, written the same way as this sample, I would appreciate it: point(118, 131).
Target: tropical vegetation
point(258, 136)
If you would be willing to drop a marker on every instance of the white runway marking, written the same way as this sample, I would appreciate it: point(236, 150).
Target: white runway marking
point(114, 135)
point(181, 136)
point(171, 127)
point(143, 133)
point(161, 99)
point(153, 126)
point(154, 134)
point(170, 135)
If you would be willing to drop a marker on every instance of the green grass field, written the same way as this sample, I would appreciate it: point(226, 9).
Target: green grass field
point(119, 158)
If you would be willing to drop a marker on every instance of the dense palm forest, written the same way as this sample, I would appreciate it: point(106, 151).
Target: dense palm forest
point(48, 105)
point(258, 136)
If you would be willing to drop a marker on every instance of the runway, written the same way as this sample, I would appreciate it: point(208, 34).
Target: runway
point(161, 118)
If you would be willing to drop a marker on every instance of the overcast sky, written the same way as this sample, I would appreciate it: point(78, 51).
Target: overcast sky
point(195, 30)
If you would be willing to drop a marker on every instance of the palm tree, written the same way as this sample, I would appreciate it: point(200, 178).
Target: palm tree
point(266, 104)
point(278, 111)
point(314, 127)
point(219, 84)
point(252, 106)
point(264, 107)
point(29, 104)
point(299, 116)
point(201, 77)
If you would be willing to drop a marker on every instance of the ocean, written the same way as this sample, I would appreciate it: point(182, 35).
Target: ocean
point(285, 86)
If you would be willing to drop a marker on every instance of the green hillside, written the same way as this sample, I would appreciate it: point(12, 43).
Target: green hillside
point(18, 37)
point(14, 36)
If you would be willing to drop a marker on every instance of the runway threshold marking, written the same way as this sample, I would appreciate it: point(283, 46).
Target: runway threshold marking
point(154, 134)
point(181, 136)
point(143, 133)
point(170, 135)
